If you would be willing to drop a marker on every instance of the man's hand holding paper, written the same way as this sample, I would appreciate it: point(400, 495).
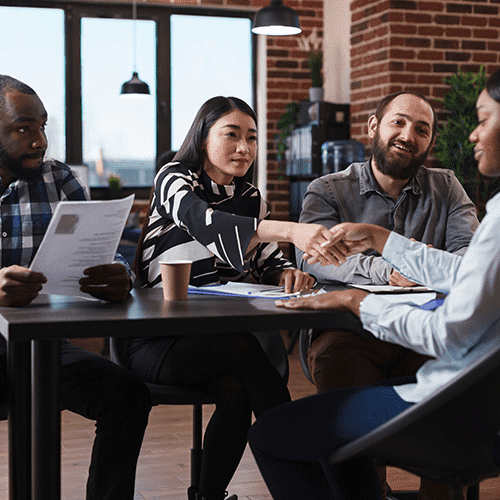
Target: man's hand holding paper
point(19, 286)
point(109, 282)
point(77, 253)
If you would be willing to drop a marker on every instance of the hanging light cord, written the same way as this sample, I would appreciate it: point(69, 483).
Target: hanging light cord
point(134, 31)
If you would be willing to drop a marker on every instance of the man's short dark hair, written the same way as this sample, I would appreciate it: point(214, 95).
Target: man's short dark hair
point(380, 111)
point(8, 83)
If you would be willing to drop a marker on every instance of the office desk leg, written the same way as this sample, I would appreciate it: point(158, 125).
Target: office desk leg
point(46, 461)
point(18, 369)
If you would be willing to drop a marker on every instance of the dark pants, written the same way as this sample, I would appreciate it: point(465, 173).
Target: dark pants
point(292, 443)
point(237, 373)
point(119, 402)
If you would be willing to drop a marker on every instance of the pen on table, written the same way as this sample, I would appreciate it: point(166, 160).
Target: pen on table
point(307, 292)
point(277, 289)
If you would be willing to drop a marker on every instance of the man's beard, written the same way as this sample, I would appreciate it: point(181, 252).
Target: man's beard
point(397, 168)
point(16, 169)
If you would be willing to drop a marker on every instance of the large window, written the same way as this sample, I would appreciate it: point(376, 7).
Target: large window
point(210, 56)
point(78, 55)
point(119, 133)
point(33, 52)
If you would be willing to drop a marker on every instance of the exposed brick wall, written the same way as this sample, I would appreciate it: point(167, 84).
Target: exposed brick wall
point(288, 79)
point(412, 45)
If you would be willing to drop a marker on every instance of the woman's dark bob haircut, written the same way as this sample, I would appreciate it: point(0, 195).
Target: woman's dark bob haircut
point(191, 153)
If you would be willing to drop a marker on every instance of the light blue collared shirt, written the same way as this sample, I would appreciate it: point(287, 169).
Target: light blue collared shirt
point(465, 327)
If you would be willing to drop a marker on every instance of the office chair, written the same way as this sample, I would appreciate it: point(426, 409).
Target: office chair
point(452, 437)
point(3, 410)
point(303, 347)
point(473, 491)
point(272, 344)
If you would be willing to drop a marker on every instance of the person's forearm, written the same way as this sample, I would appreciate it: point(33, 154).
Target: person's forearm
point(271, 231)
point(312, 239)
point(353, 299)
point(358, 269)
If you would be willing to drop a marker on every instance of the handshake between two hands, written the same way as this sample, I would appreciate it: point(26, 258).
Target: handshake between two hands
point(333, 246)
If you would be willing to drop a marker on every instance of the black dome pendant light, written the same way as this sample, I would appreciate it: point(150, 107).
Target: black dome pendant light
point(135, 86)
point(276, 19)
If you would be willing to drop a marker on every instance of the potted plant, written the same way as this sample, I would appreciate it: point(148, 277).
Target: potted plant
point(114, 186)
point(453, 148)
point(287, 122)
point(313, 46)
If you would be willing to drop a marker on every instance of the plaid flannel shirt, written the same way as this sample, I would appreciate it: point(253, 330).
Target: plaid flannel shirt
point(26, 210)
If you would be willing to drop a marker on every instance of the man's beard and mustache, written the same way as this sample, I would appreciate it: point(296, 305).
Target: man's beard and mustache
point(16, 168)
point(393, 166)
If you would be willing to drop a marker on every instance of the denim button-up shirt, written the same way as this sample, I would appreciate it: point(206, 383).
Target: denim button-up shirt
point(433, 208)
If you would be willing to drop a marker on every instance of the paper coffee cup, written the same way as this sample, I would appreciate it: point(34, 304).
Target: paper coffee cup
point(175, 279)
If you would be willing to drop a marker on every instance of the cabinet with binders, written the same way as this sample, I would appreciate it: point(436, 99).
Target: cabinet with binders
point(318, 123)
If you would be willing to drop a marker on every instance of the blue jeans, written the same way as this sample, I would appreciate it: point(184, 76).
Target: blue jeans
point(291, 443)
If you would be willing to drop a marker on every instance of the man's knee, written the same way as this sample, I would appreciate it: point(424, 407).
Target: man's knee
point(128, 394)
point(95, 387)
point(338, 358)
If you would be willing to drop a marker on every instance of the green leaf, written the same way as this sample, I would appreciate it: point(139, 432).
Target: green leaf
point(453, 148)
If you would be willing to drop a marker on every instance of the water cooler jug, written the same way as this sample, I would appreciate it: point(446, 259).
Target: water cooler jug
point(337, 155)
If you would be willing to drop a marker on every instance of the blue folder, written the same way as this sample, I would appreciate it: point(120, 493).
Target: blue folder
point(432, 304)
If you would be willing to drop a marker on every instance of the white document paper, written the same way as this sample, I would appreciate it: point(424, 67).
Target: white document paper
point(417, 299)
point(250, 290)
point(392, 289)
point(81, 234)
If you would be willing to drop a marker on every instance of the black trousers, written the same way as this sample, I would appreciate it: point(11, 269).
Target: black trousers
point(119, 402)
point(235, 370)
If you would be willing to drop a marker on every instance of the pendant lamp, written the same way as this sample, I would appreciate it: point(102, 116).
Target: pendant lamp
point(276, 19)
point(135, 87)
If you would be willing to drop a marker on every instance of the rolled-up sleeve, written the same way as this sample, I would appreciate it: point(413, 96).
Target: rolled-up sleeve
point(320, 207)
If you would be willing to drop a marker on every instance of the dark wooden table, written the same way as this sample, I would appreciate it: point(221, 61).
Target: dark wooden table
point(33, 335)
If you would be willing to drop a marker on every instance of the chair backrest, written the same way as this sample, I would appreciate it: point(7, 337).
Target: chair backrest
point(272, 343)
point(118, 350)
point(452, 437)
point(3, 410)
point(160, 394)
point(303, 348)
point(4, 403)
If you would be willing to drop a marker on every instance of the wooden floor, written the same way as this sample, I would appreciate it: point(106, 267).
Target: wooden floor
point(163, 471)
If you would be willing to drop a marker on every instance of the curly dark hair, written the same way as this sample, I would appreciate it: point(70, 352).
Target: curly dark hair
point(493, 86)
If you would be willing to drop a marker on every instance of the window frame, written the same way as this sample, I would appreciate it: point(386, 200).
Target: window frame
point(74, 11)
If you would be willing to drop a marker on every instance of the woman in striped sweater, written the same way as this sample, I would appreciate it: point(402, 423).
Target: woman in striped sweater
point(203, 210)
